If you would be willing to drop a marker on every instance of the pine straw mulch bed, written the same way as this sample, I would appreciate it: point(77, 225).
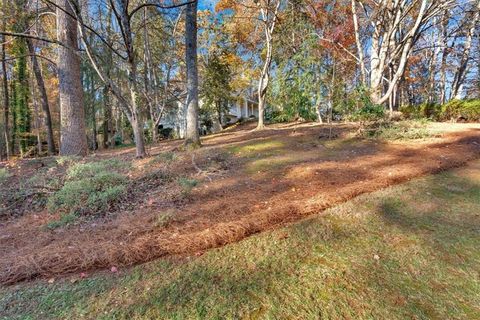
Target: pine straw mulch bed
point(230, 203)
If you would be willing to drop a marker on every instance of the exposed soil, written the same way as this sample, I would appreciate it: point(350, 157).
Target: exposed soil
point(249, 181)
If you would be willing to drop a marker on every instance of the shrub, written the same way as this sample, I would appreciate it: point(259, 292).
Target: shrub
point(369, 112)
point(403, 130)
point(64, 220)
point(430, 110)
point(89, 188)
point(67, 160)
point(4, 174)
point(165, 157)
point(163, 219)
point(424, 110)
point(468, 110)
point(187, 184)
point(90, 169)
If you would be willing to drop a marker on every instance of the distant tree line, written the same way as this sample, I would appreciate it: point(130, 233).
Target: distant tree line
point(87, 74)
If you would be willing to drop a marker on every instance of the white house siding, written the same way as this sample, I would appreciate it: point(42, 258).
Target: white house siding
point(175, 119)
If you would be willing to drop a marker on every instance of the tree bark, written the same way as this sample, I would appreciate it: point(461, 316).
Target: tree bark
point(192, 137)
point(392, 39)
point(361, 59)
point(137, 126)
point(107, 114)
point(269, 19)
point(107, 107)
point(36, 118)
point(43, 97)
point(6, 101)
point(93, 113)
point(443, 64)
point(73, 139)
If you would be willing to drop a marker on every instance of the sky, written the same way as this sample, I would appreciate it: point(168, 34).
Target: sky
point(207, 4)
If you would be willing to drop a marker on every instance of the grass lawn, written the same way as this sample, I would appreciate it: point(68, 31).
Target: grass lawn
point(406, 252)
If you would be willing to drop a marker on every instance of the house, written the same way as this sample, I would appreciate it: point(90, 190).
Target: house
point(245, 106)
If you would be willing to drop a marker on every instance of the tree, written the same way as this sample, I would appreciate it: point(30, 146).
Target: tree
point(216, 89)
point(268, 10)
point(394, 28)
point(43, 96)
point(459, 77)
point(73, 139)
point(21, 90)
point(192, 137)
point(250, 16)
point(128, 55)
point(6, 101)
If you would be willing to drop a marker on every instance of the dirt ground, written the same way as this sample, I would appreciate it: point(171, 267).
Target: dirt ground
point(249, 181)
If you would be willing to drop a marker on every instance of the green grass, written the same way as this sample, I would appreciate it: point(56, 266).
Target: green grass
point(252, 149)
point(406, 252)
point(264, 155)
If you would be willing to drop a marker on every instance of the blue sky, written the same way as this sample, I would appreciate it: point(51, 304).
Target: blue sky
point(207, 4)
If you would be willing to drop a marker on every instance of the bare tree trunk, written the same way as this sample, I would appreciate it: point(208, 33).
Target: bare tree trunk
point(319, 114)
point(462, 68)
point(138, 134)
point(107, 114)
point(73, 139)
point(361, 59)
point(43, 97)
point(432, 65)
point(36, 117)
point(261, 108)
point(263, 83)
point(269, 20)
point(393, 37)
point(6, 100)
point(192, 137)
point(443, 65)
point(135, 116)
point(93, 113)
point(107, 108)
point(376, 70)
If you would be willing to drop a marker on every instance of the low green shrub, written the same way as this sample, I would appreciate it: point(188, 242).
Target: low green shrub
point(80, 170)
point(64, 220)
point(67, 160)
point(165, 157)
point(425, 110)
point(369, 112)
point(187, 184)
point(402, 130)
point(4, 174)
point(467, 110)
point(163, 219)
point(89, 188)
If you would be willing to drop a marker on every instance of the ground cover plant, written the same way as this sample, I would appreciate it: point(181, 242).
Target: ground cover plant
point(408, 251)
point(233, 187)
point(239, 159)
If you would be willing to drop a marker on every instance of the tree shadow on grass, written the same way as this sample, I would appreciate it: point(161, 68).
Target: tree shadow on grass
point(404, 252)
